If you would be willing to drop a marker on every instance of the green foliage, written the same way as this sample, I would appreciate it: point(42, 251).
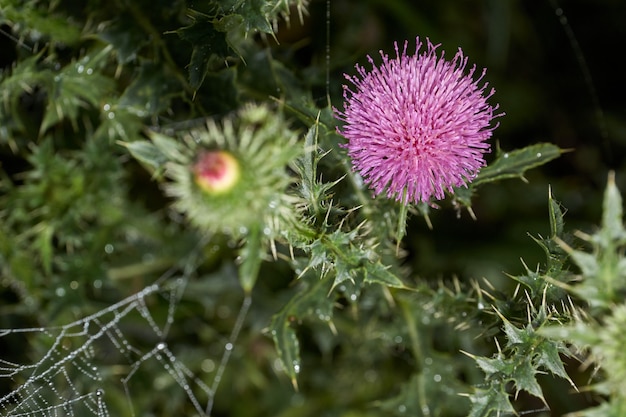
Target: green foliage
point(104, 110)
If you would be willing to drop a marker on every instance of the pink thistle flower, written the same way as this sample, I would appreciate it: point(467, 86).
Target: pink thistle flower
point(417, 125)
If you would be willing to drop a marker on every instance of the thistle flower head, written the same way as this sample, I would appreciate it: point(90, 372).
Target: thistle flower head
point(232, 175)
point(417, 125)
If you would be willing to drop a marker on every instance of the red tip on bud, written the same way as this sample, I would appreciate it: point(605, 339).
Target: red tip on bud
point(216, 171)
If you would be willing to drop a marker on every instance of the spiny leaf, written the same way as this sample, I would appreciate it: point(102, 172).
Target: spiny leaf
point(515, 163)
point(612, 226)
point(126, 37)
point(490, 402)
point(287, 345)
point(208, 45)
point(255, 14)
point(312, 301)
point(252, 254)
point(377, 273)
point(146, 152)
point(549, 358)
point(151, 91)
point(524, 378)
point(42, 21)
point(556, 216)
point(77, 85)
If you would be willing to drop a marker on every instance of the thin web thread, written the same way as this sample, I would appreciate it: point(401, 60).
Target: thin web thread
point(584, 68)
point(328, 53)
point(228, 350)
point(67, 379)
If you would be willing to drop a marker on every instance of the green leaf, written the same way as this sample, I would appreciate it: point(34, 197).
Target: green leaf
point(77, 85)
point(490, 402)
point(612, 225)
point(46, 251)
point(126, 37)
point(514, 335)
point(311, 301)
point(515, 163)
point(493, 366)
point(587, 263)
point(146, 152)
point(550, 359)
point(42, 21)
point(524, 378)
point(556, 216)
point(208, 47)
point(287, 345)
point(151, 91)
point(169, 147)
point(377, 273)
point(255, 15)
point(252, 254)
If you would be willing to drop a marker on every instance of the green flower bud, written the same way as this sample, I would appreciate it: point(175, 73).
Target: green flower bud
point(233, 176)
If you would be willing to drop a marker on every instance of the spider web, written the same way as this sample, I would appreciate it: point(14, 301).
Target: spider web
point(106, 348)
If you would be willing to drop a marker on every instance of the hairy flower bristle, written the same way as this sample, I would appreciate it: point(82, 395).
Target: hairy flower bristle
point(417, 125)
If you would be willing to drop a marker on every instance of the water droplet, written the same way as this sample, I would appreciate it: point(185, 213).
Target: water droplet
point(111, 115)
point(99, 393)
point(89, 71)
point(538, 154)
point(208, 365)
point(97, 283)
point(296, 367)
point(228, 346)
point(108, 248)
point(74, 285)
point(243, 230)
point(480, 305)
point(161, 346)
point(106, 107)
point(267, 231)
point(437, 378)
point(397, 339)
point(506, 155)
point(353, 297)
point(60, 292)
point(278, 365)
point(428, 361)
point(402, 408)
point(80, 69)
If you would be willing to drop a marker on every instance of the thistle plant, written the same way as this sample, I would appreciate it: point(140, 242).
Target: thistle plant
point(190, 226)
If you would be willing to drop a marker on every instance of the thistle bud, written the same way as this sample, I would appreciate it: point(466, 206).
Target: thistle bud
point(216, 172)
